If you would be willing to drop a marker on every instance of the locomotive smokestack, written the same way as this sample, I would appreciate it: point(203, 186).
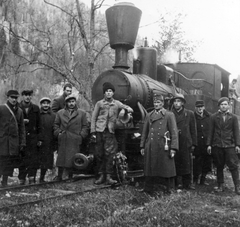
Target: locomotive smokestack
point(123, 22)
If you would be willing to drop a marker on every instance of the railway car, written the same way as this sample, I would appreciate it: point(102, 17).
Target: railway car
point(136, 87)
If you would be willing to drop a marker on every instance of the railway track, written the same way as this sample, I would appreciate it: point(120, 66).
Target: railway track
point(23, 195)
point(19, 187)
point(38, 201)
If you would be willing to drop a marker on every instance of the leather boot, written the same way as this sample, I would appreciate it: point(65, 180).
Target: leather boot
point(31, 180)
point(42, 175)
point(109, 180)
point(219, 188)
point(21, 182)
point(100, 180)
point(4, 181)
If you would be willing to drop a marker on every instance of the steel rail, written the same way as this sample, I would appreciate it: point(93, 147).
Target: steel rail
point(9, 207)
point(76, 178)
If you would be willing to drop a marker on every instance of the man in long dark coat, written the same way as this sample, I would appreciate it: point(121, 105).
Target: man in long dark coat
point(48, 146)
point(70, 127)
point(187, 132)
point(202, 162)
point(30, 156)
point(59, 102)
point(12, 131)
point(159, 125)
point(224, 143)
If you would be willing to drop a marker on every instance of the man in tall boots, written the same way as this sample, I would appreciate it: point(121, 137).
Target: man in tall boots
point(48, 146)
point(12, 140)
point(187, 133)
point(224, 143)
point(30, 156)
point(103, 124)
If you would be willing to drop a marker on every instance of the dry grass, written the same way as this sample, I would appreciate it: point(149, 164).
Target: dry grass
point(127, 207)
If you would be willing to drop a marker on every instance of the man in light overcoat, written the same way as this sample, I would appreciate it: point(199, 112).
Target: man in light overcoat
point(70, 127)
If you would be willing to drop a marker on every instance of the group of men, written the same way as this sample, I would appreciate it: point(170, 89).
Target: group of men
point(170, 140)
point(30, 135)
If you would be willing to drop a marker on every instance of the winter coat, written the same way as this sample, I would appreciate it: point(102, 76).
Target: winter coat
point(70, 130)
point(187, 132)
point(12, 135)
point(105, 115)
point(48, 140)
point(203, 126)
point(157, 161)
point(58, 103)
point(223, 134)
point(33, 135)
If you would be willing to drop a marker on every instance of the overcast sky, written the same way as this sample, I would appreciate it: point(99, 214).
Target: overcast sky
point(215, 22)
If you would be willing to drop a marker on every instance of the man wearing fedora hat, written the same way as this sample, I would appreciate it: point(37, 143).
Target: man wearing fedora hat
point(159, 126)
point(187, 133)
point(12, 140)
point(48, 146)
point(30, 156)
point(224, 143)
point(202, 160)
point(103, 123)
point(70, 128)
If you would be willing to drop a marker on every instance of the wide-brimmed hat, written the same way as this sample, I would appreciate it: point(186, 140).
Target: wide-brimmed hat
point(45, 99)
point(70, 97)
point(12, 93)
point(199, 103)
point(27, 92)
point(178, 96)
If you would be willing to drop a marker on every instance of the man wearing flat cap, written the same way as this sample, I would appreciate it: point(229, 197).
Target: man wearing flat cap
point(202, 161)
point(59, 102)
point(159, 143)
point(12, 140)
point(187, 133)
point(30, 156)
point(70, 128)
point(103, 123)
point(48, 146)
point(224, 143)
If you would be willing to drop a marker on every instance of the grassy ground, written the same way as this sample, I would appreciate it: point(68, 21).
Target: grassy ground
point(126, 206)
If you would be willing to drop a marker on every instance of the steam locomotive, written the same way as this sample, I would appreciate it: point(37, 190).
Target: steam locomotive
point(195, 81)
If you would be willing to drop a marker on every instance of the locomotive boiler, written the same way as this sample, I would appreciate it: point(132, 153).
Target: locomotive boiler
point(136, 87)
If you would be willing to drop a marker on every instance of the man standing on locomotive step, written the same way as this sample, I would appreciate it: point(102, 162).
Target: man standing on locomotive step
point(30, 155)
point(159, 125)
point(224, 143)
point(187, 133)
point(103, 124)
point(70, 127)
point(12, 130)
point(59, 103)
point(48, 140)
point(202, 163)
